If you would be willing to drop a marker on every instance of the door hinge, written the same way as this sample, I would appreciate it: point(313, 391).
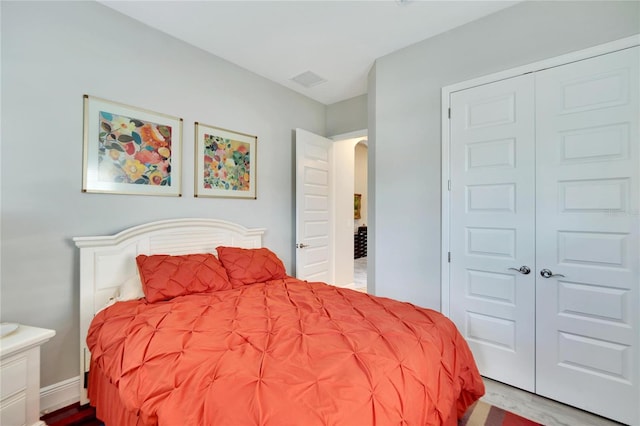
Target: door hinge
point(449, 113)
point(449, 185)
point(449, 257)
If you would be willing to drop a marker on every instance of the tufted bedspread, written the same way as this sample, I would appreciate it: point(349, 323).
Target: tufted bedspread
point(284, 352)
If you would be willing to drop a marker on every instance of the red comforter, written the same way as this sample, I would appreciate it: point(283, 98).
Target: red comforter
point(285, 352)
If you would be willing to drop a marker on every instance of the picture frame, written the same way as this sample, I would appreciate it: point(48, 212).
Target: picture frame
point(357, 205)
point(129, 150)
point(225, 163)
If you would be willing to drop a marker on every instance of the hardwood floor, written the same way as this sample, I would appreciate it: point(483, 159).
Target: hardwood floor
point(539, 409)
point(525, 404)
point(73, 415)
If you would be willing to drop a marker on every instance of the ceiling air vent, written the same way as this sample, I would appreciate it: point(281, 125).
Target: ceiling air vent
point(308, 79)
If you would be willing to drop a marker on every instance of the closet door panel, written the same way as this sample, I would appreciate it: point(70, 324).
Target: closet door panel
point(492, 205)
point(587, 220)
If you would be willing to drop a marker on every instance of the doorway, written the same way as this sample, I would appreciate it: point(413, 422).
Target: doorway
point(361, 202)
point(350, 159)
point(325, 183)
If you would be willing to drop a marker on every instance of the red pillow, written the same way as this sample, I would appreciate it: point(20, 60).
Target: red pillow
point(249, 266)
point(165, 277)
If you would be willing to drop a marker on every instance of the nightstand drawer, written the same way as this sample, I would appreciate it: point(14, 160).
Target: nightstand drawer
point(14, 412)
point(13, 377)
point(20, 375)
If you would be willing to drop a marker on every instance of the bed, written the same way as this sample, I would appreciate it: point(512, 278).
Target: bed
point(231, 339)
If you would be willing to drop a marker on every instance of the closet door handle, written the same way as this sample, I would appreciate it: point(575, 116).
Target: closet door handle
point(548, 274)
point(524, 269)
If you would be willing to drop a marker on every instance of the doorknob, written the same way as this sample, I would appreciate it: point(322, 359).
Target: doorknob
point(302, 245)
point(524, 269)
point(548, 274)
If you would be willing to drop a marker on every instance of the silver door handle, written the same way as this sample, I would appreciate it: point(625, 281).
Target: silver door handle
point(302, 245)
point(548, 274)
point(524, 269)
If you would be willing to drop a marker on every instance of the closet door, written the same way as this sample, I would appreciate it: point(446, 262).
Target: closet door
point(587, 220)
point(492, 233)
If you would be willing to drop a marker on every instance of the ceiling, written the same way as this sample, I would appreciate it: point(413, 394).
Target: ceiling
point(337, 41)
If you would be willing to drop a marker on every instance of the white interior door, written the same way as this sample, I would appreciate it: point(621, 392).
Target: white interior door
point(588, 165)
point(491, 226)
point(314, 207)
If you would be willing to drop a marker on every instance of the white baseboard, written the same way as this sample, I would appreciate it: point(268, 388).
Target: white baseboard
point(59, 395)
point(352, 286)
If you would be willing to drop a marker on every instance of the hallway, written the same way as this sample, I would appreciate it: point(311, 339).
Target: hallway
point(360, 274)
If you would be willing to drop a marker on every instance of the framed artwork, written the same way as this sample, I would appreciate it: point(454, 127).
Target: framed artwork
point(128, 150)
point(357, 203)
point(225, 163)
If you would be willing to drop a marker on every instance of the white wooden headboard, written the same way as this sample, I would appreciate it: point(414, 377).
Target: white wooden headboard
point(107, 261)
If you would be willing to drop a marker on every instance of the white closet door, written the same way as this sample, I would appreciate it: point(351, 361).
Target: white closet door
point(587, 230)
point(492, 209)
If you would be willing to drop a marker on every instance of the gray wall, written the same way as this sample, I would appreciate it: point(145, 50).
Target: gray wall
point(404, 128)
point(52, 54)
point(347, 116)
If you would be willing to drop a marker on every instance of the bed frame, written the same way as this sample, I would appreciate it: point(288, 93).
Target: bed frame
point(107, 261)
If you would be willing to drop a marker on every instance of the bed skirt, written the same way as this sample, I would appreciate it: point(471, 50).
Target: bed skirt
point(104, 396)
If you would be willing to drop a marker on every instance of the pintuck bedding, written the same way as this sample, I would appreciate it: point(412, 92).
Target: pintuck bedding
point(264, 348)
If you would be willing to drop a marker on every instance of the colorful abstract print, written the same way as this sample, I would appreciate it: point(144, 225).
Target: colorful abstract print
point(226, 164)
point(133, 151)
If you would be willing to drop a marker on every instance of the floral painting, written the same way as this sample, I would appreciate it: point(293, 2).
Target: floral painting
point(133, 151)
point(226, 163)
point(128, 150)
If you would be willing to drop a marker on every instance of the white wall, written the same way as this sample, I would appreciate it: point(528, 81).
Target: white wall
point(372, 113)
point(343, 163)
point(52, 54)
point(404, 123)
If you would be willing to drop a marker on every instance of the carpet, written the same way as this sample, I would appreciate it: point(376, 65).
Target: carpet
point(483, 414)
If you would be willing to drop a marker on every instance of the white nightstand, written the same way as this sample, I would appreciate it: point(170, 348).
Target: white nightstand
point(20, 376)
